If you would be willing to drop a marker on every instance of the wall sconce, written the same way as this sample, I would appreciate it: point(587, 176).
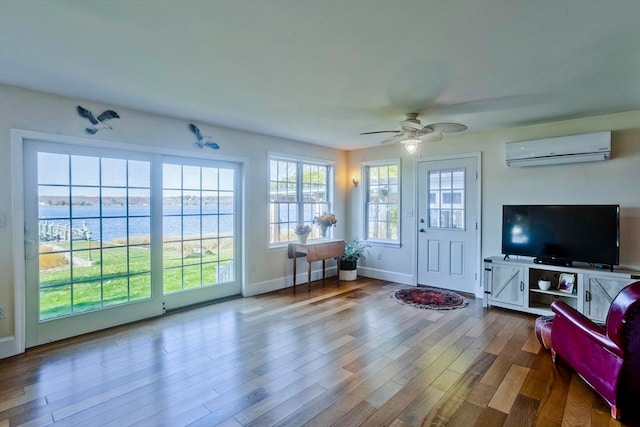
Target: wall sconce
point(355, 181)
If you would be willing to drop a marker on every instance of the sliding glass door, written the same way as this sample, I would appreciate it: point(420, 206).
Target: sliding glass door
point(117, 236)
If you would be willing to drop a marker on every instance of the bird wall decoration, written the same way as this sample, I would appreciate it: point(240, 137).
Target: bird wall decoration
point(97, 122)
point(203, 141)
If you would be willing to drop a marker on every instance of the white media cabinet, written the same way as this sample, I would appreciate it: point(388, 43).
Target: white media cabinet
point(513, 283)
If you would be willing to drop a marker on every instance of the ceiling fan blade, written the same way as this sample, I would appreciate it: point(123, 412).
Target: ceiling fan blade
point(431, 137)
point(394, 138)
point(381, 131)
point(447, 127)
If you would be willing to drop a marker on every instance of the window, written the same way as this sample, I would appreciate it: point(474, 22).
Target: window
point(298, 191)
point(446, 198)
point(382, 201)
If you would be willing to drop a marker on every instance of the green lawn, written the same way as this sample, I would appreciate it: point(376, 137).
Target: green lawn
point(118, 274)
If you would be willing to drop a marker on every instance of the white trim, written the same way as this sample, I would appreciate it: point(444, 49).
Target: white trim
point(8, 347)
point(287, 281)
point(390, 276)
point(479, 262)
point(17, 208)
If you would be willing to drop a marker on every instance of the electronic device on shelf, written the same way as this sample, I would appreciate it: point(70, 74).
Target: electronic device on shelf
point(562, 234)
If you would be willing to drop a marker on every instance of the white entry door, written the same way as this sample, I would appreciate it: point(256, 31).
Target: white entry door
point(448, 222)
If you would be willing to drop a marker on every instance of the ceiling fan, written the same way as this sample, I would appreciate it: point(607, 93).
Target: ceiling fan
point(412, 132)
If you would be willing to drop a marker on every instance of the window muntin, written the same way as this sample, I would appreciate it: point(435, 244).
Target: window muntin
point(197, 221)
point(382, 201)
point(298, 191)
point(447, 199)
point(94, 228)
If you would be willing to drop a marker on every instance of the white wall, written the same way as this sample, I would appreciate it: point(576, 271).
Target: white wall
point(616, 181)
point(34, 111)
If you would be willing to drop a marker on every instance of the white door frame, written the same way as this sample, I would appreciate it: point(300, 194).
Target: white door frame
point(16, 344)
point(478, 264)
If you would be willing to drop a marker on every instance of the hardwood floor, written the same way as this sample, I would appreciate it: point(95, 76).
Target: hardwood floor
point(344, 356)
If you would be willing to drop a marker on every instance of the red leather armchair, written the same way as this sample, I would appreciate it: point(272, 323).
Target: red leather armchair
point(607, 358)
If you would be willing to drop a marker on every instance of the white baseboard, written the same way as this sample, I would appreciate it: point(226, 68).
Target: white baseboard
point(391, 276)
point(285, 282)
point(7, 347)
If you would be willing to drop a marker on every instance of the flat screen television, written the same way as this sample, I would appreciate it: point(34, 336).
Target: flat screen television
point(562, 234)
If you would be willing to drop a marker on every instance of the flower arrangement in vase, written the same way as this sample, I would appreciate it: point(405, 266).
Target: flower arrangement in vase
point(325, 221)
point(302, 231)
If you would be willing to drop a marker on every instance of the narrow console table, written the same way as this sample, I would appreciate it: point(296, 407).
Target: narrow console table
point(320, 250)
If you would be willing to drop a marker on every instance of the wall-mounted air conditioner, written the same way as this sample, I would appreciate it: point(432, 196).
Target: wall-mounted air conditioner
point(588, 147)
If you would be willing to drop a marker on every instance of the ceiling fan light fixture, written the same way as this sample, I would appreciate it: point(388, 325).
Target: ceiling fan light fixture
point(410, 144)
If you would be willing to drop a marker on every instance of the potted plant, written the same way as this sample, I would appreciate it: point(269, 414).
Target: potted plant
point(302, 231)
point(353, 250)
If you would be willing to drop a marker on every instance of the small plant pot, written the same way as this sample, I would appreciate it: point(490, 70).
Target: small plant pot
point(348, 275)
point(348, 270)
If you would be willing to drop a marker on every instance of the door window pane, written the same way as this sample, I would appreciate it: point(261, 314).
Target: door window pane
point(446, 198)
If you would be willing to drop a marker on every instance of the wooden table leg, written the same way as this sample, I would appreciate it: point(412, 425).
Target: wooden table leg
point(309, 275)
point(338, 267)
point(294, 271)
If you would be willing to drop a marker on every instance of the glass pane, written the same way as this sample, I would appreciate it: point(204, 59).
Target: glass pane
point(191, 177)
point(209, 274)
point(115, 262)
point(209, 178)
point(445, 179)
point(171, 202)
point(85, 170)
point(139, 202)
point(209, 202)
point(226, 179)
point(458, 179)
point(172, 228)
point(434, 181)
point(191, 276)
point(114, 172)
point(210, 224)
point(434, 217)
point(139, 259)
point(191, 227)
point(140, 286)
point(114, 231)
point(139, 230)
point(116, 291)
point(87, 296)
point(172, 279)
point(53, 168)
point(53, 202)
point(55, 301)
point(114, 202)
point(139, 174)
point(171, 176)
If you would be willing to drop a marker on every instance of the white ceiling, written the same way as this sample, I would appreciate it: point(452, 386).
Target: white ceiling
point(323, 71)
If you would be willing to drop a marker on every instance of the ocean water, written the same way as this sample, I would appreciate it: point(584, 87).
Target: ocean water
point(115, 224)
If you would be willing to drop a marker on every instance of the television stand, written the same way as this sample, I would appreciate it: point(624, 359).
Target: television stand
point(514, 284)
point(550, 261)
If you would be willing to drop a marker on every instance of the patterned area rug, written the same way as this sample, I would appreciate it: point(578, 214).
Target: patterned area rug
point(431, 298)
